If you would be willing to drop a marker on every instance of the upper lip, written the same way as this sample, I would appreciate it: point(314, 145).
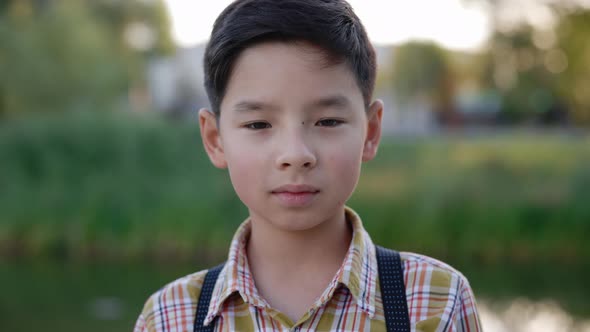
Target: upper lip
point(296, 188)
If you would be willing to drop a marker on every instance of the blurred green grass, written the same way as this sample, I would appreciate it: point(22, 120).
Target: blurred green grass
point(128, 187)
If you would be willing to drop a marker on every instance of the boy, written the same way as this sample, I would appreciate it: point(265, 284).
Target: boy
point(290, 84)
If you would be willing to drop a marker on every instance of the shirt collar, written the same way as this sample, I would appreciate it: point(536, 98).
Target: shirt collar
point(358, 272)
point(359, 269)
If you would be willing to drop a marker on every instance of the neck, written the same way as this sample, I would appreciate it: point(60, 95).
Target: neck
point(291, 269)
point(320, 249)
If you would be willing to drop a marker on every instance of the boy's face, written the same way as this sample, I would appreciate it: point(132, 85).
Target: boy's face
point(293, 132)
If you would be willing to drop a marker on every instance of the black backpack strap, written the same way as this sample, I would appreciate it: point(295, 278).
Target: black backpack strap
point(393, 290)
point(205, 298)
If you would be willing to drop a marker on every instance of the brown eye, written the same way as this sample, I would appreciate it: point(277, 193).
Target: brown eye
point(329, 122)
point(257, 125)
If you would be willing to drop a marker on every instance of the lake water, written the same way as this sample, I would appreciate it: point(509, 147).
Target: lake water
point(58, 296)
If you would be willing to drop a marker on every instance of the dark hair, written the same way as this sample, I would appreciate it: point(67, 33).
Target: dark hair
point(329, 24)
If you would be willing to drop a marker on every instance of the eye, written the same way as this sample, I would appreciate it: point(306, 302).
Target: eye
point(329, 122)
point(257, 125)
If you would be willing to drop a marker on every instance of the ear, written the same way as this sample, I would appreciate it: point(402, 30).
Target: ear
point(211, 137)
point(374, 115)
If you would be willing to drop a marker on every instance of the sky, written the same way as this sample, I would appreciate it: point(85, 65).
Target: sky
point(450, 23)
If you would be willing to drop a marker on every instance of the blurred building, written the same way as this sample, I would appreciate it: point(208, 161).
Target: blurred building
point(176, 82)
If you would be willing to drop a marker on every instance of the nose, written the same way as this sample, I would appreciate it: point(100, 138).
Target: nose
point(295, 153)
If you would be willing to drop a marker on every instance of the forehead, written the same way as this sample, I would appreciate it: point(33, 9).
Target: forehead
point(289, 73)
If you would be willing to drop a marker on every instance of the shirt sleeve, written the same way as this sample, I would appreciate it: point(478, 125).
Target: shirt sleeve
point(145, 322)
point(140, 324)
point(466, 318)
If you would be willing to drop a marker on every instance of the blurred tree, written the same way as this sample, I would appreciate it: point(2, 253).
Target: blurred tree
point(541, 70)
point(421, 72)
point(139, 25)
point(60, 55)
point(572, 54)
point(516, 67)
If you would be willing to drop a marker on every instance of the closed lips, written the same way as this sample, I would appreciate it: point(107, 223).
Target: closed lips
point(296, 189)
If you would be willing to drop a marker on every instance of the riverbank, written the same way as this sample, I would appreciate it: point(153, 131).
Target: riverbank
point(123, 187)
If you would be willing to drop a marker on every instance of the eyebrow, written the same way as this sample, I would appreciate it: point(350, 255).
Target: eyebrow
point(335, 101)
point(250, 105)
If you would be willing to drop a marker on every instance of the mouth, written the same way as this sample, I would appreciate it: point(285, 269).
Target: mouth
point(295, 195)
point(296, 189)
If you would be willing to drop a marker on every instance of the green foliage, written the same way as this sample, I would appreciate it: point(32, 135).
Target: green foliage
point(518, 69)
point(118, 16)
point(124, 187)
point(59, 61)
point(70, 55)
point(419, 70)
point(505, 198)
point(541, 71)
point(574, 83)
point(422, 74)
point(101, 183)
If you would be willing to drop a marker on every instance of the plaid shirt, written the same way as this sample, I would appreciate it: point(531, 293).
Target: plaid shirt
point(439, 297)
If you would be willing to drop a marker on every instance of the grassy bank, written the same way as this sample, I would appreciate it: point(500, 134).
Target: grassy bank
point(126, 187)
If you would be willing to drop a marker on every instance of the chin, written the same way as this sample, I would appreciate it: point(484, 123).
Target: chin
point(293, 220)
point(295, 225)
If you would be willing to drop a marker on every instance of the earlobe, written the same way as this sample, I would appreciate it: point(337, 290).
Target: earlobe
point(211, 137)
point(374, 116)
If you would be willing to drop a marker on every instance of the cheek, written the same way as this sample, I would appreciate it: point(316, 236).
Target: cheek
point(345, 163)
point(344, 172)
point(245, 167)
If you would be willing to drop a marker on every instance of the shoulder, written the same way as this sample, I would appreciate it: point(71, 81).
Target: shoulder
point(438, 294)
point(440, 274)
point(173, 306)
